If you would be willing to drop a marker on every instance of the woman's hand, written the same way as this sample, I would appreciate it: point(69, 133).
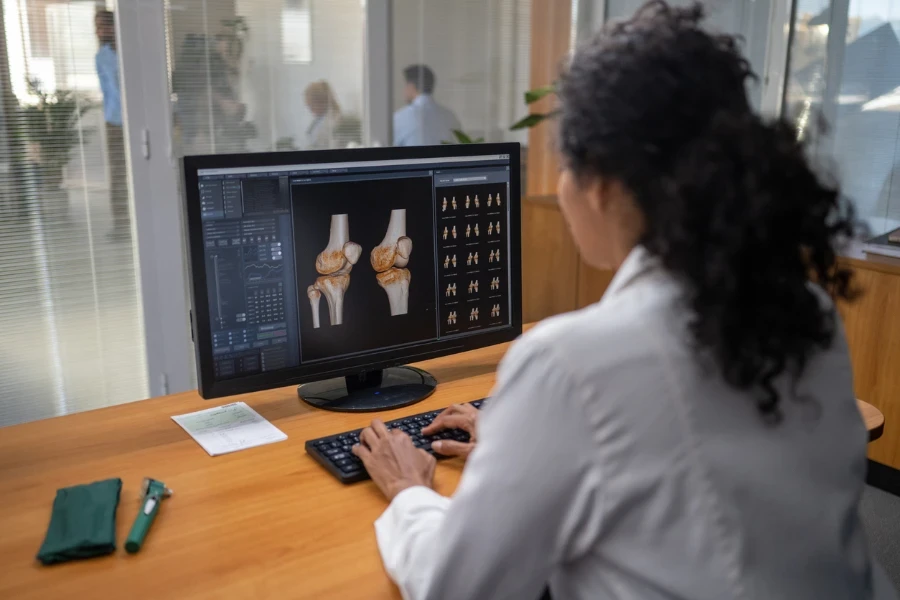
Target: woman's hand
point(456, 416)
point(391, 459)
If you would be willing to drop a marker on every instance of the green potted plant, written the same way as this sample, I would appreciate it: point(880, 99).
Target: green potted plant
point(48, 129)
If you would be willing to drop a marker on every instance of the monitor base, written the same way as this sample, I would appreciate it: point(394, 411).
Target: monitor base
point(370, 391)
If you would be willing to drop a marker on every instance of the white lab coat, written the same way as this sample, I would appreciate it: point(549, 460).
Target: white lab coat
point(611, 465)
point(320, 133)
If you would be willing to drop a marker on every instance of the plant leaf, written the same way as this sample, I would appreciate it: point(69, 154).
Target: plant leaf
point(461, 137)
point(533, 119)
point(536, 94)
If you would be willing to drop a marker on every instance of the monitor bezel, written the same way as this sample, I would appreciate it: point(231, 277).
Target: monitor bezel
point(200, 327)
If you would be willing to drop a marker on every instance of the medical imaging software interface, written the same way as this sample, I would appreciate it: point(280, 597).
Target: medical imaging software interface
point(306, 263)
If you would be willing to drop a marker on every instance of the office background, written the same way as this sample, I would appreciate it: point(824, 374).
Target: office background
point(92, 315)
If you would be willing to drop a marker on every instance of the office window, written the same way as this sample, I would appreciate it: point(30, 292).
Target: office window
point(70, 309)
point(845, 65)
point(296, 32)
point(748, 19)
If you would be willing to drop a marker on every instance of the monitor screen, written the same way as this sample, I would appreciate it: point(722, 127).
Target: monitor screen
point(311, 268)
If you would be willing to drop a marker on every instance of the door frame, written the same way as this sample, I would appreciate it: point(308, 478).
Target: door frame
point(156, 196)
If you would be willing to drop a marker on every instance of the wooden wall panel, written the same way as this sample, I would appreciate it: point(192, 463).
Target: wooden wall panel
point(549, 262)
point(551, 25)
point(872, 324)
point(592, 283)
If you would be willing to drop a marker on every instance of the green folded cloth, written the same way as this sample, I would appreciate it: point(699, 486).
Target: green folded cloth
point(83, 522)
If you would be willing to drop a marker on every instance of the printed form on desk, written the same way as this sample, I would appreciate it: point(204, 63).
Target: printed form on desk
point(229, 428)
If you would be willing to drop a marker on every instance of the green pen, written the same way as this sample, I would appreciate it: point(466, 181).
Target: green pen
point(153, 492)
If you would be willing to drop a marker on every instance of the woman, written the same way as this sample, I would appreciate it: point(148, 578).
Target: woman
point(326, 113)
point(694, 434)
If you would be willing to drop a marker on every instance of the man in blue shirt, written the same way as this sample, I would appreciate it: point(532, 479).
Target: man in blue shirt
point(422, 122)
point(107, 62)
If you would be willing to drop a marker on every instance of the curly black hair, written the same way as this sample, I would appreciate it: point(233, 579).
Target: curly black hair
point(731, 205)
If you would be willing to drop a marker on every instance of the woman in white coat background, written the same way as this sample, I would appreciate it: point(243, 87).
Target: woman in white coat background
point(326, 113)
point(695, 433)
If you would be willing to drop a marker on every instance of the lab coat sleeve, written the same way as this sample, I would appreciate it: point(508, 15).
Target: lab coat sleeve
point(526, 492)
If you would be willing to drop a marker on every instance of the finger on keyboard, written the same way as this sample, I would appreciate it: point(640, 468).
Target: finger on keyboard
point(442, 422)
point(452, 448)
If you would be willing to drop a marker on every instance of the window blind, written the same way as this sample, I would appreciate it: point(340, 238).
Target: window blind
point(70, 310)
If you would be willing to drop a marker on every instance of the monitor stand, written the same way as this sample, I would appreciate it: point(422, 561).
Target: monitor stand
point(370, 390)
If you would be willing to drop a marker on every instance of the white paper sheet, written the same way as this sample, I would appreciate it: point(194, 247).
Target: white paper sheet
point(229, 428)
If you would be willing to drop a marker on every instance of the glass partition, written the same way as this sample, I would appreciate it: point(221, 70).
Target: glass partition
point(478, 53)
point(70, 305)
point(265, 75)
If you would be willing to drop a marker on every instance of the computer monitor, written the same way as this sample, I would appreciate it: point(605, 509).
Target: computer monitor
point(334, 268)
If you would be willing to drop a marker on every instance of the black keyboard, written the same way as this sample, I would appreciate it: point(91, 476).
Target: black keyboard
point(333, 452)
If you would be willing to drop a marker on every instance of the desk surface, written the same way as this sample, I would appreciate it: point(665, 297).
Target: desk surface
point(265, 522)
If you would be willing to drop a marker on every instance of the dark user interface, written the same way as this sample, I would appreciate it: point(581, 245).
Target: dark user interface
point(317, 262)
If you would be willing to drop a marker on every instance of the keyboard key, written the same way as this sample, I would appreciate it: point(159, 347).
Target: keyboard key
point(346, 448)
point(344, 461)
point(338, 456)
point(332, 451)
point(351, 468)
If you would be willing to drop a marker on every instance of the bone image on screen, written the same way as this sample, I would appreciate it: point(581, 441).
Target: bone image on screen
point(334, 264)
point(389, 259)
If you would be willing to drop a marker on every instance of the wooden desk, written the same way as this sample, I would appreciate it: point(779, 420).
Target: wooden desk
point(262, 523)
point(873, 418)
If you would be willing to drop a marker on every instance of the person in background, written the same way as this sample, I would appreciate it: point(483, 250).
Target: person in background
point(422, 122)
point(326, 114)
point(695, 433)
point(107, 62)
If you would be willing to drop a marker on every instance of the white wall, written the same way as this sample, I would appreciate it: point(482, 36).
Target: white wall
point(479, 51)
